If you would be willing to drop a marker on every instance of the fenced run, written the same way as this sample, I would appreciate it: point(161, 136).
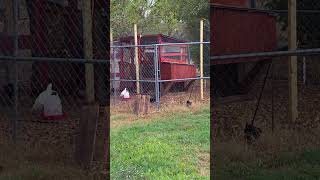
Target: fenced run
point(270, 81)
point(64, 43)
point(165, 72)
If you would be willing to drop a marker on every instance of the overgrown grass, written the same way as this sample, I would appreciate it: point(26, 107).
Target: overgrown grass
point(283, 156)
point(20, 163)
point(174, 146)
point(290, 166)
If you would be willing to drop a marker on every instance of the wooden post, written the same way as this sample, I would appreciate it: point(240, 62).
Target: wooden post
point(292, 70)
point(113, 67)
point(136, 57)
point(141, 105)
point(85, 141)
point(304, 71)
point(201, 59)
point(87, 48)
point(111, 38)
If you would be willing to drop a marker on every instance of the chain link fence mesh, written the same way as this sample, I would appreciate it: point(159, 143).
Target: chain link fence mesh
point(168, 73)
point(264, 95)
point(43, 42)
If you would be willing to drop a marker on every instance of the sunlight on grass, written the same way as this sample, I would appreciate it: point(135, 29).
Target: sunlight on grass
point(165, 148)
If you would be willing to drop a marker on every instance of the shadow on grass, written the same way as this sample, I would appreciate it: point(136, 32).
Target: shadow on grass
point(285, 155)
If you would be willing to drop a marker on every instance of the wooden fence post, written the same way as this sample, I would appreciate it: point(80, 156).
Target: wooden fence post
point(201, 59)
point(86, 139)
point(87, 48)
point(136, 58)
point(141, 104)
point(292, 73)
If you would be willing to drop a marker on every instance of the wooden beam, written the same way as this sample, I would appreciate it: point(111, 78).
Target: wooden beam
point(201, 59)
point(292, 69)
point(167, 87)
point(188, 84)
point(136, 57)
point(87, 48)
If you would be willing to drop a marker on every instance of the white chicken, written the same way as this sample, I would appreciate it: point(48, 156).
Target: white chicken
point(38, 104)
point(125, 94)
point(48, 102)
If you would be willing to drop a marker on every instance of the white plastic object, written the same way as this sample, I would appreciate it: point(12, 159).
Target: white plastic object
point(125, 94)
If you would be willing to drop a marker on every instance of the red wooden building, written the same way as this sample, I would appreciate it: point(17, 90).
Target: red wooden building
point(174, 61)
point(237, 29)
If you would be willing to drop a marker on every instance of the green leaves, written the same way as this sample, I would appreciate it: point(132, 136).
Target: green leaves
point(178, 18)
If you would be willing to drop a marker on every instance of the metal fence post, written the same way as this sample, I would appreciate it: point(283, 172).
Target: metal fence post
point(157, 72)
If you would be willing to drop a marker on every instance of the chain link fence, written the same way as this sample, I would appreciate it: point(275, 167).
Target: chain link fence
point(167, 72)
point(65, 43)
point(251, 85)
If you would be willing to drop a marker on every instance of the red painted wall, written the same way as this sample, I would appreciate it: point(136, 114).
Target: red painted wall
point(7, 44)
point(236, 31)
point(177, 71)
point(170, 68)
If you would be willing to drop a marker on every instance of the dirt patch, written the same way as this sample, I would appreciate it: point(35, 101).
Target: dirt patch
point(121, 118)
point(204, 163)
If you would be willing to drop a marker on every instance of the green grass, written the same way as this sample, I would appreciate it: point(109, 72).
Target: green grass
point(165, 148)
point(286, 166)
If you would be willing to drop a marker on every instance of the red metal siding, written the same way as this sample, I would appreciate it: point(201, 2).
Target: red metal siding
point(235, 31)
point(171, 68)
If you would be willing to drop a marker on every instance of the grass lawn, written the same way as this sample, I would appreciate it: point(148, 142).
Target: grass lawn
point(290, 166)
point(172, 146)
point(283, 156)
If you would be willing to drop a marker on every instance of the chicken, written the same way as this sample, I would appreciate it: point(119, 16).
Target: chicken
point(39, 102)
point(125, 94)
point(48, 103)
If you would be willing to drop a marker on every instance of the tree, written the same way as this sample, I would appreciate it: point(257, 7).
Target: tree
point(178, 18)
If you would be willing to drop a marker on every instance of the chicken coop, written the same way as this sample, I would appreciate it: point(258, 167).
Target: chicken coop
point(51, 29)
point(174, 62)
point(238, 28)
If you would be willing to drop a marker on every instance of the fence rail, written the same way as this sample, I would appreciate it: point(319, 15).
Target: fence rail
point(162, 67)
point(298, 52)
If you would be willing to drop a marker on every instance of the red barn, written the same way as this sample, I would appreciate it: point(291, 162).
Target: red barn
point(174, 61)
point(234, 30)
